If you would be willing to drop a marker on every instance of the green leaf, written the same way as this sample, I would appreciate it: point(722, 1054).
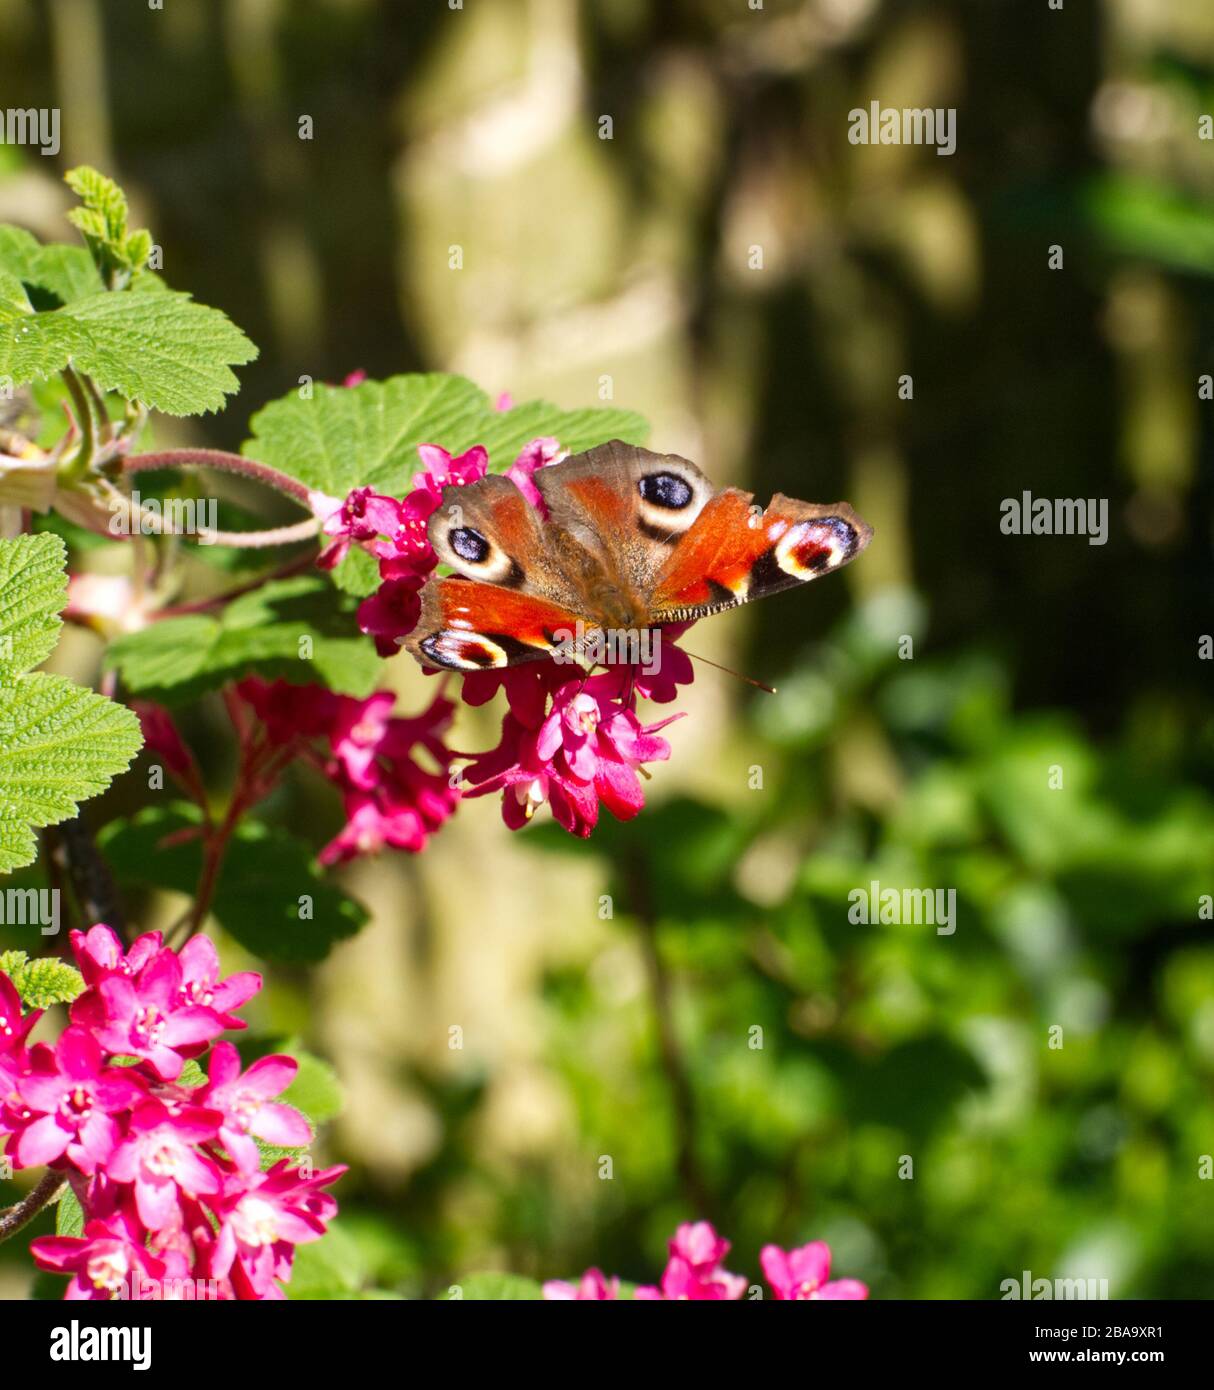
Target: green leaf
point(65, 273)
point(69, 1215)
point(316, 1091)
point(59, 743)
point(102, 220)
point(265, 632)
point(42, 982)
point(33, 590)
point(331, 1267)
point(495, 1288)
point(266, 872)
point(161, 349)
point(368, 435)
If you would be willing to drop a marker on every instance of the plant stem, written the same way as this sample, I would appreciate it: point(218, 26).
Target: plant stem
point(73, 850)
point(223, 463)
point(84, 418)
point(23, 1212)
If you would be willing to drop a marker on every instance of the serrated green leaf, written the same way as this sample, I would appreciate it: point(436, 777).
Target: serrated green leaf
point(12, 292)
point(367, 435)
point(495, 1288)
point(12, 961)
point(58, 743)
point(62, 273)
point(262, 632)
point(69, 1215)
point(45, 981)
point(358, 573)
point(33, 590)
point(331, 1267)
point(104, 201)
point(265, 873)
point(161, 349)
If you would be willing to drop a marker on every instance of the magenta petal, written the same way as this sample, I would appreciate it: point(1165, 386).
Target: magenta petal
point(843, 1289)
point(78, 1054)
point(270, 1076)
point(156, 1202)
point(225, 1064)
point(41, 1142)
point(193, 1024)
point(282, 1125)
point(810, 1264)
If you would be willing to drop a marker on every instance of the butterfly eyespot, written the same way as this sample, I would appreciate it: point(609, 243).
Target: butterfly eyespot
point(459, 651)
point(813, 547)
point(468, 544)
point(666, 490)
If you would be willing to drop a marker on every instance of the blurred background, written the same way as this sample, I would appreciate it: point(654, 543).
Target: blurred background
point(729, 265)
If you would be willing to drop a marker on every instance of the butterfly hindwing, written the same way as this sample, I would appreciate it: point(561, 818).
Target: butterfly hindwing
point(469, 626)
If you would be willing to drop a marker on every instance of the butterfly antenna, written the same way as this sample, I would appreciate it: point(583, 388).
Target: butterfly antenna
point(750, 680)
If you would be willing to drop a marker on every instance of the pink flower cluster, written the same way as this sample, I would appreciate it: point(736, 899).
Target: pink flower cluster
point(569, 741)
point(167, 1172)
point(695, 1271)
point(364, 750)
point(388, 796)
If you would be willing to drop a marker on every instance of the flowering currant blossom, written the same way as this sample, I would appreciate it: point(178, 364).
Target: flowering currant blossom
point(592, 1287)
point(695, 1272)
point(166, 1169)
point(106, 1261)
point(803, 1274)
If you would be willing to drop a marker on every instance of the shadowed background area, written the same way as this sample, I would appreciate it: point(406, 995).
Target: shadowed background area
point(924, 336)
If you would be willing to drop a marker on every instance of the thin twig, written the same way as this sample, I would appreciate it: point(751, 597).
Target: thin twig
point(23, 1212)
point(223, 463)
point(93, 886)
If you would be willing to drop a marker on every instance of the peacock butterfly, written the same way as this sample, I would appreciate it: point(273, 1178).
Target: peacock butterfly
point(633, 540)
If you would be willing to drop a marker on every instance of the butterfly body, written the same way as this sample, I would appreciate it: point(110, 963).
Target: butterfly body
point(633, 541)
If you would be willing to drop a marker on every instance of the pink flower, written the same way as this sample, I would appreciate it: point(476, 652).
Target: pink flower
point(694, 1270)
point(538, 454)
point(160, 1157)
point(362, 517)
point(104, 1261)
point(99, 953)
point(13, 1028)
point(357, 731)
point(391, 612)
point(355, 378)
point(587, 749)
point(72, 1101)
point(288, 712)
point(440, 470)
point(263, 1217)
point(803, 1274)
point(592, 1287)
point(146, 1016)
point(246, 1103)
point(200, 982)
